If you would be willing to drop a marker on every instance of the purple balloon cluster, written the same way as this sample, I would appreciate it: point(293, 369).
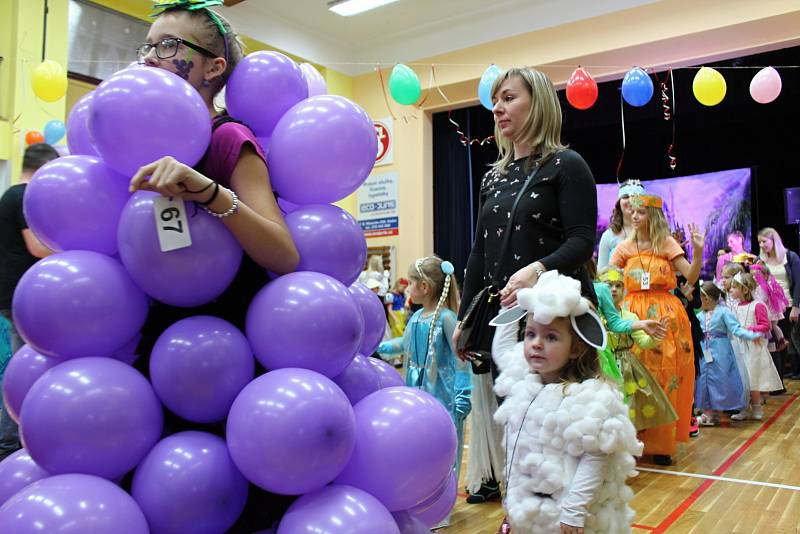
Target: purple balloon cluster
point(325, 422)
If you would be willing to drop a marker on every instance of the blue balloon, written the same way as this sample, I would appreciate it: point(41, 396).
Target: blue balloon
point(637, 87)
point(485, 85)
point(54, 130)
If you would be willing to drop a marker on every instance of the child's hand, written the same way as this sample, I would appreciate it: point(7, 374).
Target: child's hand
point(569, 529)
point(457, 334)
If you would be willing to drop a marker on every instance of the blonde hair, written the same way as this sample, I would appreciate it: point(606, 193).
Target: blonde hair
point(227, 46)
point(429, 270)
point(542, 127)
point(777, 244)
point(732, 269)
point(657, 228)
point(748, 285)
point(375, 263)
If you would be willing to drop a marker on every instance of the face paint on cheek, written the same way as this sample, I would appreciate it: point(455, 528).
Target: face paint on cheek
point(183, 67)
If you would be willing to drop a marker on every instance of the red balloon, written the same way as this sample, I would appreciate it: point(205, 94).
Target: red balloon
point(581, 89)
point(33, 137)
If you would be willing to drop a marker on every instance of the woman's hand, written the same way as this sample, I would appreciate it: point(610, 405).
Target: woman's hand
point(172, 178)
point(525, 277)
point(688, 290)
point(794, 315)
point(569, 529)
point(698, 238)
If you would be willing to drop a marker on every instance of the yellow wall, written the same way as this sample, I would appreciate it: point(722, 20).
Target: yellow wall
point(21, 29)
point(670, 32)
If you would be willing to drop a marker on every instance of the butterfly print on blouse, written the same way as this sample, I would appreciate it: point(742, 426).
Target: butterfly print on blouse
point(536, 216)
point(517, 258)
point(499, 232)
point(534, 195)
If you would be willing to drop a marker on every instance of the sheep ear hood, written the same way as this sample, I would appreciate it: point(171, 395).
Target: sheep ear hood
point(556, 295)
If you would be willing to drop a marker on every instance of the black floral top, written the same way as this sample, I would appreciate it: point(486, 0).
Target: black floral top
point(555, 221)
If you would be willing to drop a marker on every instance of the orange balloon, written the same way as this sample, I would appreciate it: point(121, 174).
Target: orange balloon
point(33, 137)
point(581, 89)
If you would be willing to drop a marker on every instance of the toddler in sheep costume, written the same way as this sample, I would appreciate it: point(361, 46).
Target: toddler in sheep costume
point(570, 444)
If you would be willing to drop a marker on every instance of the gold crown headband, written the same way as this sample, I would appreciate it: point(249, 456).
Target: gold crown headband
point(638, 201)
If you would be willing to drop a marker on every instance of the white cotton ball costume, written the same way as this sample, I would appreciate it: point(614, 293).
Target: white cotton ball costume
point(549, 428)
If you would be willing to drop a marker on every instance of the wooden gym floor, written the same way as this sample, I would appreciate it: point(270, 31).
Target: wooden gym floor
point(737, 478)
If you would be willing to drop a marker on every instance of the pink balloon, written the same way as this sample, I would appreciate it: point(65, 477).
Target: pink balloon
point(765, 85)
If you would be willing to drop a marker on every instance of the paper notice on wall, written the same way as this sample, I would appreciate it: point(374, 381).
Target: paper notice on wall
point(377, 205)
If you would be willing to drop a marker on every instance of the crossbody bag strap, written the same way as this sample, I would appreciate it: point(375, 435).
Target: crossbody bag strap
point(510, 227)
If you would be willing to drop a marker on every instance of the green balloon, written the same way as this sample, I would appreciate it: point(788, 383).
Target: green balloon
point(404, 85)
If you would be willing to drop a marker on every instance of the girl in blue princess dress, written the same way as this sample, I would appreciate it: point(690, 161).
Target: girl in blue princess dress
point(719, 387)
point(431, 363)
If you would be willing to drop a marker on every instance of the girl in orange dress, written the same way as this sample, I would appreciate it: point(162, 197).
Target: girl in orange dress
point(650, 257)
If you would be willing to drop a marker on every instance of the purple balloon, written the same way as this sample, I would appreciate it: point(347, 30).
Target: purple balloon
point(79, 138)
point(408, 524)
point(322, 150)
point(74, 202)
point(388, 376)
point(78, 303)
point(72, 504)
point(188, 276)
point(91, 415)
point(435, 508)
point(264, 142)
point(291, 431)
point(329, 240)
point(141, 114)
point(304, 320)
point(314, 80)
point(127, 354)
point(188, 483)
point(358, 379)
point(405, 446)
point(374, 317)
point(199, 365)
point(338, 509)
point(23, 369)
point(262, 87)
point(286, 206)
point(17, 471)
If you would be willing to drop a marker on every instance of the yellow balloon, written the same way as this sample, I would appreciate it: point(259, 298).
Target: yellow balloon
point(709, 86)
point(49, 81)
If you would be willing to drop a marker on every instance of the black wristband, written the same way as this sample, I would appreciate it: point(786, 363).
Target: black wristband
point(213, 195)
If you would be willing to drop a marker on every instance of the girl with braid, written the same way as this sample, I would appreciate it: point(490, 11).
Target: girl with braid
point(431, 363)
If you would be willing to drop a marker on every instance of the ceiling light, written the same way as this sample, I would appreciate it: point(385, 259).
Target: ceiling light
point(347, 8)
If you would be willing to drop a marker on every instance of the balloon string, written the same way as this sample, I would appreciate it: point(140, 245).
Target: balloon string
point(669, 109)
point(462, 137)
point(622, 121)
point(383, 89)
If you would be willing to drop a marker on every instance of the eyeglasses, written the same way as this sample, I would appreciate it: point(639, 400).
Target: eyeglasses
point(168, 47)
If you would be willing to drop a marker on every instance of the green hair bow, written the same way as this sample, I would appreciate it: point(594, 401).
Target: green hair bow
point(161, 6)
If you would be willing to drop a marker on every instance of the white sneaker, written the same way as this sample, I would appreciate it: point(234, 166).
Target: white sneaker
point(742, 415)
point(758, 413)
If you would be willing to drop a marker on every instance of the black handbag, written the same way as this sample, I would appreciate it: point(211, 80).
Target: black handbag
point(476, 334)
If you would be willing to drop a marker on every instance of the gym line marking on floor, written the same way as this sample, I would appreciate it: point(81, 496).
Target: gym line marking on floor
point(722, 479)
point(688, 501)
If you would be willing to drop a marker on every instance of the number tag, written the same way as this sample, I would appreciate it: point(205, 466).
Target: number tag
point(707, 355)
point(171, 223)
point(645, 281)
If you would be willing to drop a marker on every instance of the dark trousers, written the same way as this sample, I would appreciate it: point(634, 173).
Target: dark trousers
point(791, 356)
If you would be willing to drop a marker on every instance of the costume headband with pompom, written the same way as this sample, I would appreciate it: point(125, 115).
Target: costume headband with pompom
point(611, 275)
point(639, 201)
point(556, 295)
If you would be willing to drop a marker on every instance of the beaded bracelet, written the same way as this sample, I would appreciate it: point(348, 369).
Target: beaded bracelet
point(230, 211)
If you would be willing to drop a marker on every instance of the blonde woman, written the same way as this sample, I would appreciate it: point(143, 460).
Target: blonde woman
point(650, 258)
point(784, 265)
point(552, 228)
